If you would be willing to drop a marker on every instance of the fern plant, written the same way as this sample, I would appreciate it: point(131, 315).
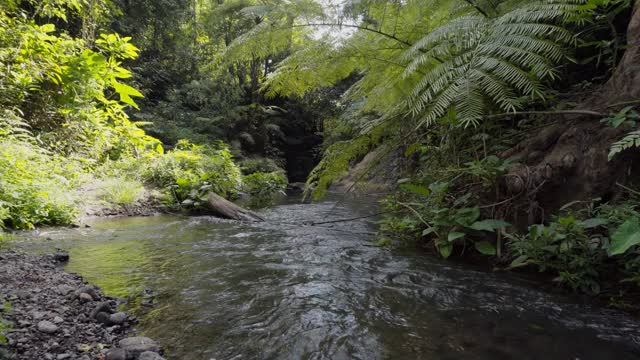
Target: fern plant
point(630, 140)
point(489, 57)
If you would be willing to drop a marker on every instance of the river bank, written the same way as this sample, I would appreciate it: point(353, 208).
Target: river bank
point(52, 314)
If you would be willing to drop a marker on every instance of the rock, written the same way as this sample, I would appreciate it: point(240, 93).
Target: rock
point(85, 298)
point(148, 355)
point(116, 354)
point(103, 318)
point(61, 256)
point(118, 318)
point(47, 327)
point(64, 289)
point(139, 344)
point(88, 290)
point(58, 320)
point(63, 357)
point(101, 307)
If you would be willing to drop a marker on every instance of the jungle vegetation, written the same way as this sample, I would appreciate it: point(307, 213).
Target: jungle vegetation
point(515, 121)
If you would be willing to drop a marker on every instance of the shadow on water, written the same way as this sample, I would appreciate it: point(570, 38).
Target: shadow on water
point(280, 290)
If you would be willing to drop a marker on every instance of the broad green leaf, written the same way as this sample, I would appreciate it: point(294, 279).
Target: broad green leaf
point(489, 225)
point(428, 231)
point(121, 89)
point(593, 222)
point(467, 216)
point(626, 236)
point(415, 189)
point(453, 236)
point(521, 260)
point(445, 249)
point(485, 248)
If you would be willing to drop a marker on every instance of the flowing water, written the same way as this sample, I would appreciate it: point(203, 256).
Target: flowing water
point(283, 290)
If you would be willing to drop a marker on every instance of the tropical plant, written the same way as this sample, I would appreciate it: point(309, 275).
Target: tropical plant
point(263, 187)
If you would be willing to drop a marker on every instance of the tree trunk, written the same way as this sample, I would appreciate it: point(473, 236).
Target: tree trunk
point(228, 210)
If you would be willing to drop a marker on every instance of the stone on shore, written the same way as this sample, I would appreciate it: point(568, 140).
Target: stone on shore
point(138, 345)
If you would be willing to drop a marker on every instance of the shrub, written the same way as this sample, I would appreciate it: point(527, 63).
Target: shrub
point(121, 191)
point(581, 247)
point(262, 187)
point(259, 165)
point(190, 169)
point(33, 189)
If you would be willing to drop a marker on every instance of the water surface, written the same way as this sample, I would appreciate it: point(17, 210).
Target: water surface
point(283, 290)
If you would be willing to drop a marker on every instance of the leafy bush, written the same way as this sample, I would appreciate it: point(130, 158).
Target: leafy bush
point(191, 170)
point(263, 186)
point(33, 189)
point(121, 191)
point(581, 250)
point(259, 165)
point(432, 217)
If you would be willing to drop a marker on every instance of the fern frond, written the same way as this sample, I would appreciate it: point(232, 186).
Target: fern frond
point(630, 140)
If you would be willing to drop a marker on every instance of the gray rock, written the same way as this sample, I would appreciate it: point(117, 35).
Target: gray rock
point(64, 289)
point(118, 318)
point(101, 307)
point(103, 318)
point(63, 357)
point(139, 344)
point(116, 354)
point(47, 327)
point(148, 355)
point(58, 320)
point(61, 256)
point(84, 298)
point(88, 290)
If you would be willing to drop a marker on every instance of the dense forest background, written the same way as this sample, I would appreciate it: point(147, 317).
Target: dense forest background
point(502, 128)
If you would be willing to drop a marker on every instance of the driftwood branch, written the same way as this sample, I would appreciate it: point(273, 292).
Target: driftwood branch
point(558, 112)
point(224, 208)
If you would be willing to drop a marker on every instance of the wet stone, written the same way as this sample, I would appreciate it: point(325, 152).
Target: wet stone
point(148, 355)
point(116, 354)
point(118, 318)
point(139, 344)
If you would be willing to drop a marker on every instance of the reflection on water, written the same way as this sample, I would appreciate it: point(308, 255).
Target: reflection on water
point(282, 290)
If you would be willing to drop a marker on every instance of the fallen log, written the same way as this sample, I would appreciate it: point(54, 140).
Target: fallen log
point(226, 209)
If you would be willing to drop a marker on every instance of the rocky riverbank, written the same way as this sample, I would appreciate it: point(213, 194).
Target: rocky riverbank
point(50, 314)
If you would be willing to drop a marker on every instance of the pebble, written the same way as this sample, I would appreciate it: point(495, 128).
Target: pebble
point(148, 355)
point(118, 318)
point(48, 322)
point(116, 354)
point(85, 298)
point(139, 344)
point(47, 327)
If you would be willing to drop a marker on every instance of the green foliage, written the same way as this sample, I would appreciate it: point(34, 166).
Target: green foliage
point(262, 187)
point(189, 171)
point(629, 117)
point(583, 251)
point(34, 187)
point(120, 191)
point(259, 165)
point(432, 217)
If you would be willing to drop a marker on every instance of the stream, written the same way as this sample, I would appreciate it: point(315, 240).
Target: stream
point(283, 290)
